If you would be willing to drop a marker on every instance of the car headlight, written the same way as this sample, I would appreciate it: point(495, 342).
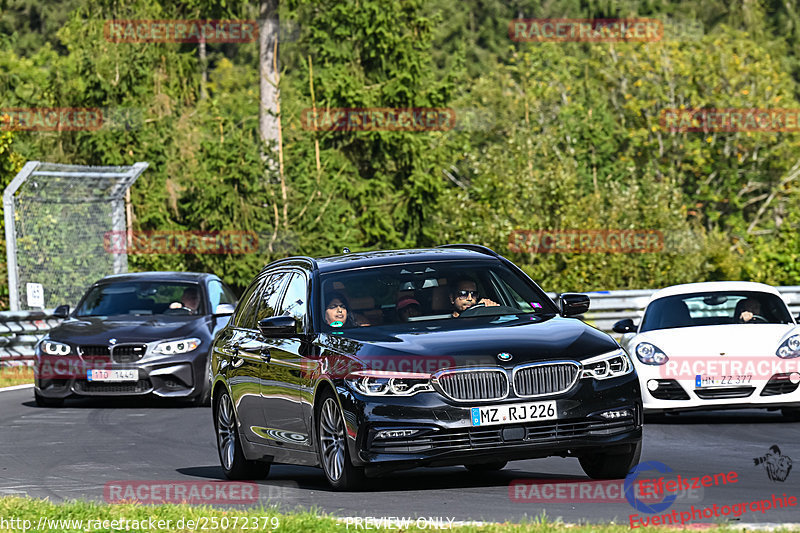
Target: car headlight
point(650, 354)
point(377, 383)
point(789, 348)
point(177, 347)
point(55, 348)
point(607, 366)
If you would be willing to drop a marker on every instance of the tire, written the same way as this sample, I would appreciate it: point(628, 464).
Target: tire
point(792, 413)
point(41, 401)
point(332, 446)
point(231, 456)
point(612, 464)
point(203, 399)
point(487, 467)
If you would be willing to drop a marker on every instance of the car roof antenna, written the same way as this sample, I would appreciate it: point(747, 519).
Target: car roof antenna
point(345, 250)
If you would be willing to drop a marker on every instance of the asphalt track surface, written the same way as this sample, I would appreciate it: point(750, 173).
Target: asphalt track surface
point(73, 451)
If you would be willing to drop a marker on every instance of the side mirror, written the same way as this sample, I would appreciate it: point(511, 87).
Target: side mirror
point(573, 304)
point(625, 325)
point(278, 326)
point(62, 311)
point(224, 310)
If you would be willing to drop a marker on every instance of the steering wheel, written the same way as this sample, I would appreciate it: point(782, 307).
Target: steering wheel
point(481, 309)
point(758, 318)
point(178, 311)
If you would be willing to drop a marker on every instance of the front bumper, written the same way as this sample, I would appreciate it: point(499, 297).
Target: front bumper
point(446, 436)
point(162, 376)
point(673, 395)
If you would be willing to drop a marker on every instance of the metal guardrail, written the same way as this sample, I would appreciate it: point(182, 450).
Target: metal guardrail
point(21, 330)
point(19, 333)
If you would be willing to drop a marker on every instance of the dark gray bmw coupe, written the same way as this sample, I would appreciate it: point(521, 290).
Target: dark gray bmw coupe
point(366, 363)
point(147, 333)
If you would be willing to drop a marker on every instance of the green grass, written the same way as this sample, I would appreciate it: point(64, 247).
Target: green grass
point(15, 375)
point(13, 507)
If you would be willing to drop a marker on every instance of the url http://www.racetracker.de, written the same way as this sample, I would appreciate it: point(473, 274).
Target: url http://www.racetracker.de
point(201, 523)
point(716, 511)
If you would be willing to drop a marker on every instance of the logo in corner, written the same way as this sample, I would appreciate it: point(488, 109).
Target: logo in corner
point(505, 356)
point(777, 465)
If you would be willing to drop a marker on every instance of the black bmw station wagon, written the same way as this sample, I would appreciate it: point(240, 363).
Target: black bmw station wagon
point(366, 363)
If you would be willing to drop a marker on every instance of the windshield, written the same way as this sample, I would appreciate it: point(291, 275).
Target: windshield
point(715, 308)
point(412, 294)
point(142, 298)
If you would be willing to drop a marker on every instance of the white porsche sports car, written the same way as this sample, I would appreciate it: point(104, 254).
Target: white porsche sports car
point(716, 345)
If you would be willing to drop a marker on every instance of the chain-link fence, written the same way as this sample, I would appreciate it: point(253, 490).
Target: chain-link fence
point(55, 219)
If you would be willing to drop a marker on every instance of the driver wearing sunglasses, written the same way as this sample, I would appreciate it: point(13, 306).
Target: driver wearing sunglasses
point(465, 295)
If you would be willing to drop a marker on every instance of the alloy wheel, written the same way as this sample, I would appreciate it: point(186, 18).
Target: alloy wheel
point(332, 439)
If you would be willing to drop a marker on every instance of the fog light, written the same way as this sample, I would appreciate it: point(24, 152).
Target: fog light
point(395, 433)
point(794, 377)
point(622, 413)
point(652, 385)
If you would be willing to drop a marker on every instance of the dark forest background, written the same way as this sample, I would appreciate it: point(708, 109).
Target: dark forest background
point(549, 135)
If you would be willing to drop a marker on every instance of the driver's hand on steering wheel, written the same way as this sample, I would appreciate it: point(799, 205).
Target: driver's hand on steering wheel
point(487, 302)
point(746, 316)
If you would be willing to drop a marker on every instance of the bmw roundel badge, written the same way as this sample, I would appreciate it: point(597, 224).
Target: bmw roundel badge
point(505, 356)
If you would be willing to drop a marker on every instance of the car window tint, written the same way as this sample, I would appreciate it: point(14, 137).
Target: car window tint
point(228, 296)
point(246, 311)
point(412, 293)
point(219, 294)
point(134, 298)
point(270, 296)
point(711, 309)
point(296, 299)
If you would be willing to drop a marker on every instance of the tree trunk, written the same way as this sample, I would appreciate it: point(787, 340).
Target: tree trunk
point(204, 68)
point(268, 120)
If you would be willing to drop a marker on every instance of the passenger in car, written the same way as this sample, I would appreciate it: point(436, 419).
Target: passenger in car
point(408, 308)
point(465, 295)
point(337, 313)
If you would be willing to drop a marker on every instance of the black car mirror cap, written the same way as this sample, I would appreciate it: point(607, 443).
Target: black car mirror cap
point(278, 326)
point(224, 310)
point(62, 311)
point(625, 325)
point(573, 304)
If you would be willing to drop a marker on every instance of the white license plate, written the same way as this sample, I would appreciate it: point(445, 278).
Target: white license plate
point(701, 381)
point(515, 412)
point(113, 375)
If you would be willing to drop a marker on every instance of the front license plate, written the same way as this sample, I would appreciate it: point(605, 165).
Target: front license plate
point(701, 381)
point(113, 375)
point(516, 412)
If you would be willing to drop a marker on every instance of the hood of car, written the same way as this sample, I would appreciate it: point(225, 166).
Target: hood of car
point(729, 339)
point(125, 329)
point(519, 341)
